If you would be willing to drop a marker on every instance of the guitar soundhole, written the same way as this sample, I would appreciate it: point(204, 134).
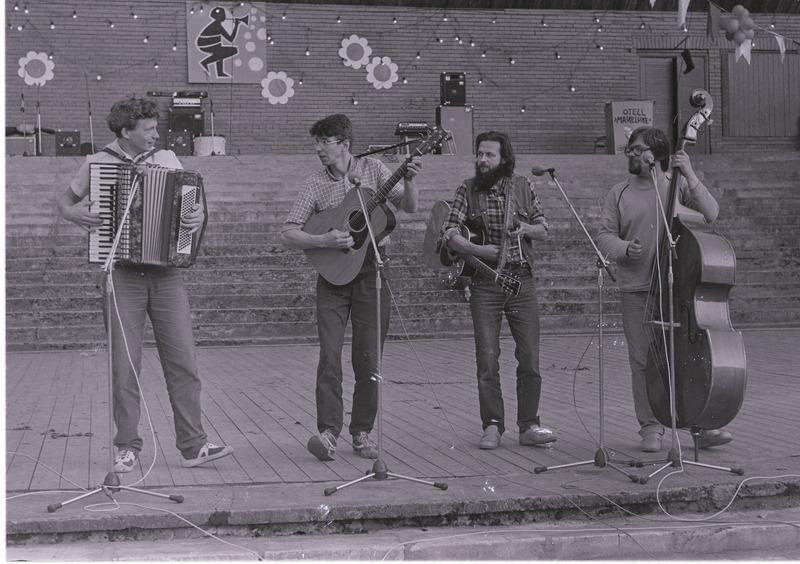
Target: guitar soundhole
point(355, 221)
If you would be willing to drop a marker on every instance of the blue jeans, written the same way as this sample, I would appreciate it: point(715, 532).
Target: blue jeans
point(160, 294)
point(334, 305)
point(488, 303)
point(638, 338)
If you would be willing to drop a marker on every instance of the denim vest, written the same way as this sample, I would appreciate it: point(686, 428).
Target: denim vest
point(477, 203)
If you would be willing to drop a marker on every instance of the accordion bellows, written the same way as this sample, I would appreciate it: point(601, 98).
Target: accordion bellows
point(158, 197)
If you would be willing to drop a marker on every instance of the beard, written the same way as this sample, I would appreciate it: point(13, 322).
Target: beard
point(634, 166)
point(485, 180)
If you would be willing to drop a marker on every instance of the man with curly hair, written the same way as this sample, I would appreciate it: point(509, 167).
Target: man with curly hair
point(141, 291)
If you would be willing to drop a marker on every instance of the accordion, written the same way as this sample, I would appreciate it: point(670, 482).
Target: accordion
point(151, 234)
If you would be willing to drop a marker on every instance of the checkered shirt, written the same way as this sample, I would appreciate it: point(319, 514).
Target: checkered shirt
point(321, 191)
point(494, 216)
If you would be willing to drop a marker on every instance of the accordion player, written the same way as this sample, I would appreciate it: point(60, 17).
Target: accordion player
point(158, 197)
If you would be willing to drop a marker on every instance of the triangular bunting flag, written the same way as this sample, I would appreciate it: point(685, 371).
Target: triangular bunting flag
point(713, 22)
point(683, 6)
point(652, 3)
point(743, 50)
point(781, 45)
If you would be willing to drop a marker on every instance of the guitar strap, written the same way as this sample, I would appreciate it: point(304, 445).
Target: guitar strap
point(506, 218)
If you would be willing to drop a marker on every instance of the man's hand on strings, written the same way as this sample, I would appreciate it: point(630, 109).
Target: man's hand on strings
point(413, 168)
point(337, 239)
point(681, 161)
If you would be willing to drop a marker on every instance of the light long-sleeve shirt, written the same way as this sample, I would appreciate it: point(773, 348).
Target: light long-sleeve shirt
point(630, 212)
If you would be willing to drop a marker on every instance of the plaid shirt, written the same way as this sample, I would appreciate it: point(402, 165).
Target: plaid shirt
point(494, 216)
point(322, 191)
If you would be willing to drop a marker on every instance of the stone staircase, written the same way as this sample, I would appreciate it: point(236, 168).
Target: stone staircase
point(246, 288)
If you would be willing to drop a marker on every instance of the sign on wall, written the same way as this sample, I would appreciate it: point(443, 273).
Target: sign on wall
point(624, 117)
point(226, 43)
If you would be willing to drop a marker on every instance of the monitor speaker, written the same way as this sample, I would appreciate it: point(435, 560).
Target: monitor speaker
point(68, 143)
point(180, 142)
point(457, 120)
point(189, 119)
point(453, 86)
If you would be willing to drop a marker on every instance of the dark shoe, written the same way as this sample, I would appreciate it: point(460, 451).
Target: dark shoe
point(713, 438)
point(490, 439)
point(536, 435)
point(651, 443)
point(125, 461)
point(206, 453)
point(323, 446)
point(363, 446)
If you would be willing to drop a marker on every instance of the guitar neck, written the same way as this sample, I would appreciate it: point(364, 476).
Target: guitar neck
point(480, 265)
point(380, 196)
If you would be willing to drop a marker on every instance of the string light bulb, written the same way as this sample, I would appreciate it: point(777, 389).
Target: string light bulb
point(471, 43)
point(99, 77)
point(134, 15)
point(483, 55)
point(74, 14)
point(20, 27)
point(544, 23)
point(596, 19)
point(405, 80)
point(300, 80)
point(494, 20)
point(110, 24)
point(26, 9)
point(16, 7)
point(201, 8)
point(308, 52)
point(52, 24)
point(512, 61)
point(480, 79)
point(174, 46)
point(642, 26)
point(599, 29)
point(355, 101)
point(418, 56)
point(283, 16)
point(338, 19)
point(155, 66)
point(146, 39)
point(394, 20)
point(51, 55)
point(572, 88)
point(600, 47)
point(558, 55)
point(191, 11)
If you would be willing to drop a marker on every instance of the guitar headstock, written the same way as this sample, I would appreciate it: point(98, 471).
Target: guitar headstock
point(432, 141)
point(702, 100)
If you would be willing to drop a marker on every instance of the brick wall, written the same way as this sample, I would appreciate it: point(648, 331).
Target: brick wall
point(555, 120)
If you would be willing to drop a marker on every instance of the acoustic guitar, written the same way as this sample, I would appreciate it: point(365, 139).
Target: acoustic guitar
point(341, 266)
point(464, 265)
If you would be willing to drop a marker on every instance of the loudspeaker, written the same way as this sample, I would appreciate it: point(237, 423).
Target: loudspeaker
point(180, 142)
point(189, 119)
point(68, 143)
point(453, 87)
point(457, 120)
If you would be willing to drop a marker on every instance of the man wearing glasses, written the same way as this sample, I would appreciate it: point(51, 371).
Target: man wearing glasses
point(332, 139)
point(629, 227)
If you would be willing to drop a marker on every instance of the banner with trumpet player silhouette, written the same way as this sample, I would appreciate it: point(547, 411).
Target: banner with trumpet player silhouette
point(226, 42)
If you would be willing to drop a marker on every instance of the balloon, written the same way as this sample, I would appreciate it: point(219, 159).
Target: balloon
point(748, 23)
point(739, 37)
point(728, 36)
point(739, 11)
point(749, 33)
point(733, 25)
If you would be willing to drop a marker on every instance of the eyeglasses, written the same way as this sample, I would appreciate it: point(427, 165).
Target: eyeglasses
point(324, 142)
point(636, 150)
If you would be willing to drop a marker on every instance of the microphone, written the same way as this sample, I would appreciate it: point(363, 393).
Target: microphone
point(354, 179)
point(541, 171)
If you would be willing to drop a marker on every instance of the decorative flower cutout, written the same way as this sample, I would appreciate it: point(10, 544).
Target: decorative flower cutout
point(35, 68)
point(277, 87)
point(382, 72)
point(355, 52)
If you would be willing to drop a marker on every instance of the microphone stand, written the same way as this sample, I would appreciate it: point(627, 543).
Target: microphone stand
point(674, 457)
point(111, 483)
point(601, 457)
point(213, 152)
point(379, 468)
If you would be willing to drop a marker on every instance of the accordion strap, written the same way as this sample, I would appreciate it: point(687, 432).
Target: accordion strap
point(127, 159)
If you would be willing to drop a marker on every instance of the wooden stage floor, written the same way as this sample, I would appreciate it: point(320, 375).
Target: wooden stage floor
point(260, 400)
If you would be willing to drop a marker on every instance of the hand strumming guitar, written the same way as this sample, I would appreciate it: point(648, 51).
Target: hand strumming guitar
point(336, 239)
point(485, 252)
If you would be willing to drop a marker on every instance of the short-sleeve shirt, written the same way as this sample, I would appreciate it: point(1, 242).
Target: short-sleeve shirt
point(322, 191)
point(81, 180)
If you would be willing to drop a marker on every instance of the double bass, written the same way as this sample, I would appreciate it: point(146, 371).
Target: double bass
point(708, 354)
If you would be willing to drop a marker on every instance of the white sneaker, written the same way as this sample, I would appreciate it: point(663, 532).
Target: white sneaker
point(207, 453)
point(125, 461)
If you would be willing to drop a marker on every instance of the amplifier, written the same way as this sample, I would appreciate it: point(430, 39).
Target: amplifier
point(190, 119)
point(180, 142)
point(457, 120)
point(453, 86)
point(409, 128)
point(68, 143)
point(22, 146)
point(186, 102)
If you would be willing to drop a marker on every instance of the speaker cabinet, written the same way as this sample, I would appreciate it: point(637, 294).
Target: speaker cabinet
point(189, 119)
point(68, 143)
point(21, 146)
point(180, 142)
point(457, 120)
point(453, 86)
